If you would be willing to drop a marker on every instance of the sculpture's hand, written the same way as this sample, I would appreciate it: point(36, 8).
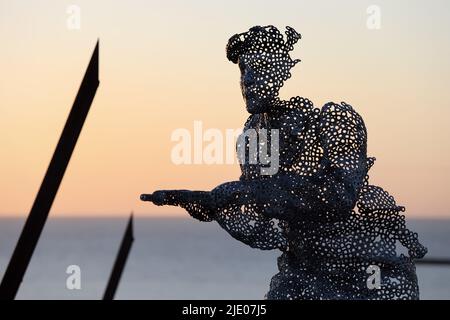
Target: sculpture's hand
point(197, 203)
point(169, 197)
point(158, 197)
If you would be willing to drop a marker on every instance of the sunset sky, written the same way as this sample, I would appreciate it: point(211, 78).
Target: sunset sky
point(163, 66)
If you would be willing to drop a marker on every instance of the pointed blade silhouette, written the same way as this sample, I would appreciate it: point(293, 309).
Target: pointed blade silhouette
point(47, 192)
point(120, 262)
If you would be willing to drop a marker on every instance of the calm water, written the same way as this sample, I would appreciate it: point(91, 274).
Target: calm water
point(173, 259)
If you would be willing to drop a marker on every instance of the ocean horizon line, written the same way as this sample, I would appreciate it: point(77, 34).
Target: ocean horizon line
point(160, 216)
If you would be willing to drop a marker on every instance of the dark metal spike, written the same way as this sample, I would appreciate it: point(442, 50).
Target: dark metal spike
point(120, 262)
point(55, 172)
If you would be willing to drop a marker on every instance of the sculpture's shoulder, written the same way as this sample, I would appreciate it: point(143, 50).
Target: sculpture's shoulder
point(343, 137)
point(341, 124)
point(341, 115)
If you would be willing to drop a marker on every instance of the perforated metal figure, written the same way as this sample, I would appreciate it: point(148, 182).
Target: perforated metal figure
point(319, 208)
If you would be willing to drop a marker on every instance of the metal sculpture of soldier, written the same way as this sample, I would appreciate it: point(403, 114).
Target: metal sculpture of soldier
point(318, 208)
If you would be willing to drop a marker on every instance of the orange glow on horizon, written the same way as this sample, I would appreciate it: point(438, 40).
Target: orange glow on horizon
point(161, 69)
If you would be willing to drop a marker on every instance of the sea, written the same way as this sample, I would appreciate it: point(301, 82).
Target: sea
point(172, 258)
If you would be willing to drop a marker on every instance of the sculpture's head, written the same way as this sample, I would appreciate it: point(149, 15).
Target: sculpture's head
point(262, 54)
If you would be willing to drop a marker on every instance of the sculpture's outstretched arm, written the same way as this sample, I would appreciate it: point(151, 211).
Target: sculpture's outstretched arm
point(250, 210)
point(203, 204)
point(234, 206)
point(197, 203)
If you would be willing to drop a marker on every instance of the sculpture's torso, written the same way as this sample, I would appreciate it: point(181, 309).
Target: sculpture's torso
point(295, 121)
